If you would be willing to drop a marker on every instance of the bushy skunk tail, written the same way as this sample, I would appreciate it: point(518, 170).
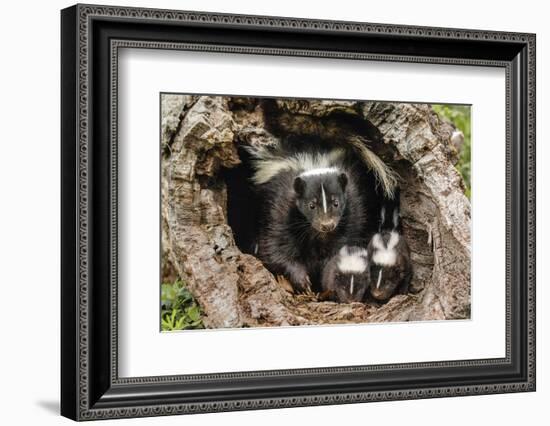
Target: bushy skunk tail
point(269, 160)
point(385, 175)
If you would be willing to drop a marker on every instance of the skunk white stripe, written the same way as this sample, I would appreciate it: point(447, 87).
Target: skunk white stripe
point(351, 285)
point(324, 198)
point(362, 252)
point(379, 244)
point(379, 279)
point(385, 255)
point(319, 171)
point(352, 263)
point(395, 218)
point(394, 239)
point(268, 165)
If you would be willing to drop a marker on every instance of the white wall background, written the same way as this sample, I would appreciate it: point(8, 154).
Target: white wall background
point(30, 228)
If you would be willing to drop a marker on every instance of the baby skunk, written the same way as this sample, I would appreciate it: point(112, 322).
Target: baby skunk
point(389, 258)
point(346, 276)
point(311, 207)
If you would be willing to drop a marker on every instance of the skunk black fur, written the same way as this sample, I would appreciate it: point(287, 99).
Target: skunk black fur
point(389, 257)
point(346, 276)
point(311, 207)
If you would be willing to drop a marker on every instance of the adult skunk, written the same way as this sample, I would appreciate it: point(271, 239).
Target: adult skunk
point(346, 276)
point(389, 257)
point(311, 207)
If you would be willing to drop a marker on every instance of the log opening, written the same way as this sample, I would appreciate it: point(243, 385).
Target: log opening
point(210, 210)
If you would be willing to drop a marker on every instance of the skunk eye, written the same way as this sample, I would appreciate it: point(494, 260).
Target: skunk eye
point(335, 203)
point(312, 205)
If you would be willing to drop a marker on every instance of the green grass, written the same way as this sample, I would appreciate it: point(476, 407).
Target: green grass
point(460, 116)
point(179, 309)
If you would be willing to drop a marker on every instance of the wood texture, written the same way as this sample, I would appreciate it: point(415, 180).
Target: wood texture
point(200, 138)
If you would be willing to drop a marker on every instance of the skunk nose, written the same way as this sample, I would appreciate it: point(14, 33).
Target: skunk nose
point(379, 294)
point(327, 226)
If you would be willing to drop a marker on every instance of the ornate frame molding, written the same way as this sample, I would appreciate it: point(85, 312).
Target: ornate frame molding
point(86, 404)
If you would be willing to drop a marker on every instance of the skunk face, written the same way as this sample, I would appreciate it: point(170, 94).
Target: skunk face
point(321, 197)
point(351, 287)
point(385, 281)
point(346, 276)
point(389, 264)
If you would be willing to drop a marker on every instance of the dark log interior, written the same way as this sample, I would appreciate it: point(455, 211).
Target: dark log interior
point(243, 204)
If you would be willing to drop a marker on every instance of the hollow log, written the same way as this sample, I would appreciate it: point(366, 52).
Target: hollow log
point(201, 136)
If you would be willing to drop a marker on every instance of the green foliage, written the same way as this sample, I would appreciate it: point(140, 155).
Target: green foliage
point(460, 116)
point(179, 309)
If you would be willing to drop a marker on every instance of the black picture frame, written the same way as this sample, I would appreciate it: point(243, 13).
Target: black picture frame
point(90, 386)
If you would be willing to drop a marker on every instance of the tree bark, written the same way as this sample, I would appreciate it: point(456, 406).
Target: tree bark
point(200, 137)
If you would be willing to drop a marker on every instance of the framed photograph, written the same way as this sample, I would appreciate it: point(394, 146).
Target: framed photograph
point(263, 212)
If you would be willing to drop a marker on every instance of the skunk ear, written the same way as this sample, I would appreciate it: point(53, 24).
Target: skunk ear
point(299, 186)
point(343, 180)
